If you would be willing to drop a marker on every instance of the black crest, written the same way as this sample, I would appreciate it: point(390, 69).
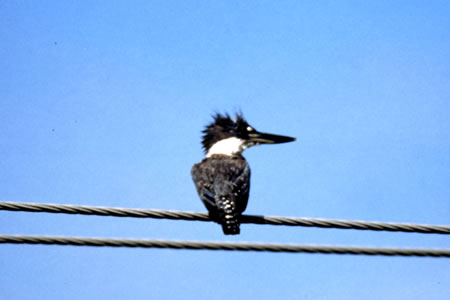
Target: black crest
point(224, 127)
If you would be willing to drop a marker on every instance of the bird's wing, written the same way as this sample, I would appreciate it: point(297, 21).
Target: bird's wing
point(225, 177)
point(204, 181)
point(241, 186)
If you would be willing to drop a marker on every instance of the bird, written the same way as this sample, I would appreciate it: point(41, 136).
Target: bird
point(222, 178)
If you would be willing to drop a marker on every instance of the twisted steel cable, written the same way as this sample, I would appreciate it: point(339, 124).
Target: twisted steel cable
point(195, 216)
point(228, 246)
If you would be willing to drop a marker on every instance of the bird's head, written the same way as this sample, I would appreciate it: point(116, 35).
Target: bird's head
point(229, 136)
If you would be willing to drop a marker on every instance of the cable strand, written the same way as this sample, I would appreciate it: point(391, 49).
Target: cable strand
point(248, 219)
point(227, 246)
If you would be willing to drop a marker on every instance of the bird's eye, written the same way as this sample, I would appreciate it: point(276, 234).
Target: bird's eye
point(249, 128)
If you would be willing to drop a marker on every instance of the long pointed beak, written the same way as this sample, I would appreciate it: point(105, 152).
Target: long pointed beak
point(267, 138)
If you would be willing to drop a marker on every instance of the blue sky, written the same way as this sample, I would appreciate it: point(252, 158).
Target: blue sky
point(103, 103)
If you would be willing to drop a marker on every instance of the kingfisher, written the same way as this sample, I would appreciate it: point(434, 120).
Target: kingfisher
point(222, 178)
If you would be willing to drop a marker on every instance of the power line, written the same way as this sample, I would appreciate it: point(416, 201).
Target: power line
point(228, 246)
point(195, 216)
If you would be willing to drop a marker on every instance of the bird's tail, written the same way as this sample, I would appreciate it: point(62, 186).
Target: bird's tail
point(229, 218)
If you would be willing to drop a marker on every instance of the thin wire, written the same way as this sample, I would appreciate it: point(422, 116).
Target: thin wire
point(194, 216)
point(228, 246)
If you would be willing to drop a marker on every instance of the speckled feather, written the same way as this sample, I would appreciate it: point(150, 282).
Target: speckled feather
point(223, 181)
